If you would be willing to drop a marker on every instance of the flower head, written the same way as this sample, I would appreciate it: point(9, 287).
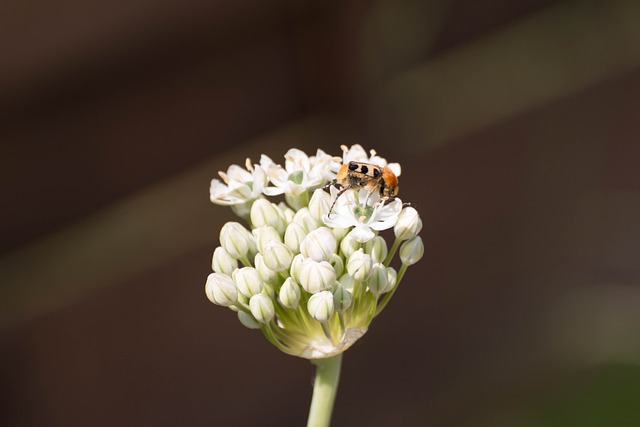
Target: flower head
point(310, 281)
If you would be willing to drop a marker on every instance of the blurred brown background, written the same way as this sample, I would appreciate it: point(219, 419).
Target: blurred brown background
point(516, 123)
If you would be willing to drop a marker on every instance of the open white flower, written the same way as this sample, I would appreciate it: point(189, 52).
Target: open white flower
point(352, 209)
point(239, 187)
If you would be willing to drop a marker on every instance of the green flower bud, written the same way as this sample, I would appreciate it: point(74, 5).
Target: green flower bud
point(277, 256)
point(264, 234)
point(290, 294)
point(320, 306)
point(317, 276)
point(304, 218)
point(337, 263)
point(409, 224)
point(319, 244)
point(348, 246)
point(359, 265)
point(264, 213)
point(379, 279)
point(262, 308)
point(341, 299)
point(220, 290)
point(248, 281)
point(296, 267)
point(411, 251)
point(236, 240)
point(267, 274)
point(377, 248)
point(248, 320)
point(222, 262)
point(293, 236)
point(319, 204)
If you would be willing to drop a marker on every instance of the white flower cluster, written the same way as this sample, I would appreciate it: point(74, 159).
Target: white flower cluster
point(311, 282)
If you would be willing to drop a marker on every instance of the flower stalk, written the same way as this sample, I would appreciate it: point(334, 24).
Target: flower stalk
point(325, 388)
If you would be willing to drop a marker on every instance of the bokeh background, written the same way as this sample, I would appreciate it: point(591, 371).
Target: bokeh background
point(516, 123)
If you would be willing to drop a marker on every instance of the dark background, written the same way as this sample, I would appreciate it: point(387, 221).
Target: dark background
point(516, 124)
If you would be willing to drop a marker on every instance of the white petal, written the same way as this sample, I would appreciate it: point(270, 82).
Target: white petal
point(236, 173)
point(273, 191)
point(395, 168)
point(338, 221)
point(362, 233)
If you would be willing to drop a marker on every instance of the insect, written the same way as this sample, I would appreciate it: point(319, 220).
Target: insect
point(358, 175)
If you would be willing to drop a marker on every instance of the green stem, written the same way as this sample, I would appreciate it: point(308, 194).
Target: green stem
point(392, 252)
point(324, 390)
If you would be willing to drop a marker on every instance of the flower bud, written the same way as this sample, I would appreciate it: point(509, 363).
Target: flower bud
point(377, 248)
point(263, 212)
point(248, 281)
point(222, 262)
point(319, 244)
point(267, 274)
point(409, 224)
point(288, 212)
point(411, 251)
point(379, 279)
point(347, 282)
point(221, 290)
point(320, 306)
point(341, 299)
point(290, 294)
point(317, 276)
point(293, 236)
point(277, 256)
point(248, 320)
point(236, 240)
point(348, 246)
point(359, 265)
point(392, 276)
point(319, 204)
point(337, 264)
point(303, 217)
point(262, 308)
point(296, 267)
point(264, 234)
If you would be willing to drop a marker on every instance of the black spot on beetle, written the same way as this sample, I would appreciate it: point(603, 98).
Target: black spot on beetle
point(353, 166)
point(376, 173)
point(364, 169)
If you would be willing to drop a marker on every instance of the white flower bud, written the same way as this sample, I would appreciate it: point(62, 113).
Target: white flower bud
point(320, 306)
point(377, 248)
point(359, 265)
point(303, 217)
point(339, 233)
point(347, 282)
point(319, 244)
point(319, 204)
point(411, 251)
point(337, 263)
point(277, 256)
point(287, 211)
point(263, 212)
point(349, 245)
point(409, 224)
point(248, 281)
point(248, 320)
point(341, 299)
point(296, 267)
point(290, 294)
point(392, 276)
point(222, 262)
point(317, 276)
point(221, 290)
point(267, 274)
point(262, 308)
point(293, 236)
point(379, 279)
point(264, 234)
point(236, 240)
